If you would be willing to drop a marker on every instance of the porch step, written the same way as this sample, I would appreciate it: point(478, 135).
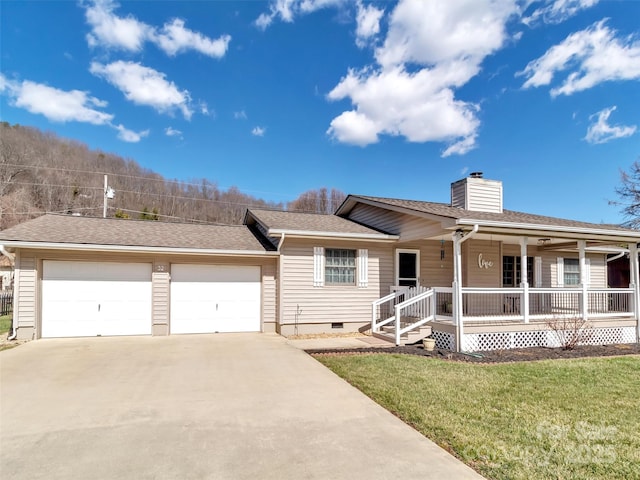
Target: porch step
point(389, 333)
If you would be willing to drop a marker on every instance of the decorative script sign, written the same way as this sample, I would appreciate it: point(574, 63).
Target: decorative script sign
point(482, 263)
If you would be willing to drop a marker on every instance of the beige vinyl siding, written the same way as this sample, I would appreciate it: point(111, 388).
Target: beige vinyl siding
point(598, 271)
point(331, 303)
point(477, 194)
point(433, 271)
point(407, 226)
point(27, 299)
point(269, 303)
point(160, 287)
point(472, 274)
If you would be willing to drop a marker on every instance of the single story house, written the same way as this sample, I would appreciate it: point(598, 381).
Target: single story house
point(469, 273)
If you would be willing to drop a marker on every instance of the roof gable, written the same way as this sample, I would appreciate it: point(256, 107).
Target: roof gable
point(461, 216)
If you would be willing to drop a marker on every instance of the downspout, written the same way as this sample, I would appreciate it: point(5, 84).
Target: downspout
point(458, 240)
point(12, 258)
point(280, 281)
point(616, 257)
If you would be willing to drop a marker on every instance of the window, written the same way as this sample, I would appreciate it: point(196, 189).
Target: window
point(340, 266)
point(571, 271)
point(512, 271)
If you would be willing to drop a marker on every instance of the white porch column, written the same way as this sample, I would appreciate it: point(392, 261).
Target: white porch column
point(635, 285)
point(457, 289)
point(524, 277)
point(582, 245)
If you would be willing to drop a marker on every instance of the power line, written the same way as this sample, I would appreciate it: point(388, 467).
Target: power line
point(165, 216)
point(256, 204)
point(177, 182)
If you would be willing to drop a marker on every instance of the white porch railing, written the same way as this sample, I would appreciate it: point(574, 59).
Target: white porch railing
point(409, 308)
point(417, 303)
point(506, 304)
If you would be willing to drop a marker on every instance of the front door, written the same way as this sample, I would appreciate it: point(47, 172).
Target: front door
point(407, 268)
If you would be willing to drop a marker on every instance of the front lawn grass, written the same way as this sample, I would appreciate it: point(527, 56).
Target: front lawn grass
point(5, 324)
point(560, 419)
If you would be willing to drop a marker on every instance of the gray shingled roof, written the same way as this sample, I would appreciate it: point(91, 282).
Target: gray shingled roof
point(310, 222)
point(138, 233)
point(446, 210)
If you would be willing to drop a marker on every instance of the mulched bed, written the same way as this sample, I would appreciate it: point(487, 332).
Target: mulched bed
point(497, 356)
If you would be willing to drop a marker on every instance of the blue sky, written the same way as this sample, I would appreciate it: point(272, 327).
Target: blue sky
point(385, 98)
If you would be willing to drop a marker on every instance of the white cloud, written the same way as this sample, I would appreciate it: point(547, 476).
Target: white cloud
point(258, 131)
point(601, 132)
point(287, 10)
point(55, 104)
point(430, 49)
point(437, 31)
point(111, 31)
point(174, 38)
point(204, 108)
point(417, 106)
point(144, 86)
point(557, 11)
point(368, 23)
point(591, 56)
point(172, 132)
point(241, 115)
point(464, 170)
point(108, 30)
point(63, 106)
point(129, 135)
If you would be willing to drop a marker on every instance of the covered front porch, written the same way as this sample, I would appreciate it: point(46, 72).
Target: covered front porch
point(507, 290)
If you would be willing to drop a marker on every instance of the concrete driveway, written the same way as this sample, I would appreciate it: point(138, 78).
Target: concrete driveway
point(200, 406)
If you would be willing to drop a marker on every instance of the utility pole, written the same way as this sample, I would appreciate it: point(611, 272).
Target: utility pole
point(109, 193)
point(104, 209)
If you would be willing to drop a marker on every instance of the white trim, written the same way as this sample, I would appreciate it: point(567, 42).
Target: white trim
point(134, 249)
point(363, 268)
point(554, 228)
point(347, 236)
point(560, 271)
point(397, 263)
point(318, 266)
point(537, 275)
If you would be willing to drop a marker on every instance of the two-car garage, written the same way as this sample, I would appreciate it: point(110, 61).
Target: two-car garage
point(109, 298)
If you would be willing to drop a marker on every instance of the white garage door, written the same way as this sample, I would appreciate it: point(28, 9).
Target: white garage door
point(83, 299)
point(215, 298)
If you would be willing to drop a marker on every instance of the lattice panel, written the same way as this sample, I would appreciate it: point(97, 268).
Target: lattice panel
point(444, 340)
point(474, 342)
point(528, 339)
point(605, 336)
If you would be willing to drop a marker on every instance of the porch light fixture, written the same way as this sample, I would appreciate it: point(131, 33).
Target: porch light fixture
point(543, 241)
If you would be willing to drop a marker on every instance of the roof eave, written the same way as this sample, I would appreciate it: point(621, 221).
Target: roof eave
point(563, 230)
point(380, 237)
point(346, 207)
point(135, 249)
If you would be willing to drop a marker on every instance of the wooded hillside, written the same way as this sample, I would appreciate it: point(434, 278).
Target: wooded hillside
point(41, 172)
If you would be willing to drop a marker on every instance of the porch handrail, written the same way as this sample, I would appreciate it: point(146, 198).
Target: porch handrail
point(429, 293)
point(374, 312)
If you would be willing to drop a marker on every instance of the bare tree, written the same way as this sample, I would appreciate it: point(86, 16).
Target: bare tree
point(41, 172)
point(317, 201)
point(629, 193)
